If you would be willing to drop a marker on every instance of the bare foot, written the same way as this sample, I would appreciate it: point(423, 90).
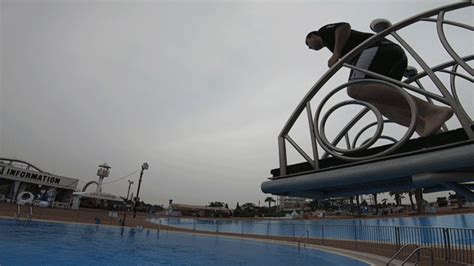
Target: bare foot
point(434, 121)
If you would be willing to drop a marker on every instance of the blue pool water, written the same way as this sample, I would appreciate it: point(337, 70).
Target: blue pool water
point(447, 221)
point(41, 243)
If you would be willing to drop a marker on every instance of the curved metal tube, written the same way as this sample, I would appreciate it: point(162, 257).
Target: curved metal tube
point(89, 183)
point(454, 23)
point(452, 82)
point(453, 74)
point(417, 250)
point(357, 136)
point(411, 128)
point(346, 129)
point(372, 140)
point(401, 84)
point(437, 68)
point(449, 49)
point(465, 123)
point(400, 251)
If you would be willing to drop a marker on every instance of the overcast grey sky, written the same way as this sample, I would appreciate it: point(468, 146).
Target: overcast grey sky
point(198, 89)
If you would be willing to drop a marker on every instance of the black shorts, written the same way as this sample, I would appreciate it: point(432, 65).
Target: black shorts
point(387, 59)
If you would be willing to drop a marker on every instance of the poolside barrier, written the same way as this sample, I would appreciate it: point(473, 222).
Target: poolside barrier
point(453, 245)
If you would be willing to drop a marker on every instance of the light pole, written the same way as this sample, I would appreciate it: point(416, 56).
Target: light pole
point(130, 182)
point(137, 199)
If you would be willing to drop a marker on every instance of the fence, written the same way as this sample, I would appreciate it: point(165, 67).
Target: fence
point(81, 216)
point(454, 245)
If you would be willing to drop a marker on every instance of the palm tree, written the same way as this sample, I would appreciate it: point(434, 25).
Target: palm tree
point(410, 195)
point(269, 200)
point(419, 200)
point(398, 197)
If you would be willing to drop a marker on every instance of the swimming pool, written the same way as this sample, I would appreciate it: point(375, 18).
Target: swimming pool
point(58, 243)
point(457, 229)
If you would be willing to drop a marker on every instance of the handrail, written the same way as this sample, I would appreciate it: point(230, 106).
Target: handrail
point(18, 213)
point(445, 96)
point(301, 237)
point(29, 214)
point(417, 251)
point(400, 251)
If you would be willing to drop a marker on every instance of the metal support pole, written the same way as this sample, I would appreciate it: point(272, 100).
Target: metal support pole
point(144, 167)
point(355, 237)
point(129, 185)
point(447, 245)
point(322, 234)
point(397, 237)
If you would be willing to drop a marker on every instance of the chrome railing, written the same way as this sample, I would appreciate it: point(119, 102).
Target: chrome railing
point(300, 239)
point(412, 83)
point(400, 251)
point(417, 253)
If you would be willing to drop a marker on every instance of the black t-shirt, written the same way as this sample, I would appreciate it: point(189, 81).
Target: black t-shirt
point(328, 34)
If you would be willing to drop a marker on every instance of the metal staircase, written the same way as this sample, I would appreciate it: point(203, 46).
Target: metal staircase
point(28, 215)
point(416, 252)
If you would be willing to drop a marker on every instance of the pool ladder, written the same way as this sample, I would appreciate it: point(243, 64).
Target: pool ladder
point(29, 214)
point(301, 238)
point(416, 252)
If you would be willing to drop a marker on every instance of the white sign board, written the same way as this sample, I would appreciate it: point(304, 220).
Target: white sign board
point(40, 178)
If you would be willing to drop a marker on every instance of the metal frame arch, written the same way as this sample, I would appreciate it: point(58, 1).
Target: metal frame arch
point(89, 183)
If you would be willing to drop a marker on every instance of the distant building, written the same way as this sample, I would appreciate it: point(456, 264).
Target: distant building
point(20, 177)
point(176, 209)
point(289, 203)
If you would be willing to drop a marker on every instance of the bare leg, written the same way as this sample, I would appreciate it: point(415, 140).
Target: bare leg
point(393, 105)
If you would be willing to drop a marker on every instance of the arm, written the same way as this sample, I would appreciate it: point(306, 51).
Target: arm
point(342, 34)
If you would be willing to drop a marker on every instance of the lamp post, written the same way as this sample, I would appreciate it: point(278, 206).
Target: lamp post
point(130, 182)
point(137, 199)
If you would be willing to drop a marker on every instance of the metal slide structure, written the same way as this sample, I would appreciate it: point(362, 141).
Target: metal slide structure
point(444, 161)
